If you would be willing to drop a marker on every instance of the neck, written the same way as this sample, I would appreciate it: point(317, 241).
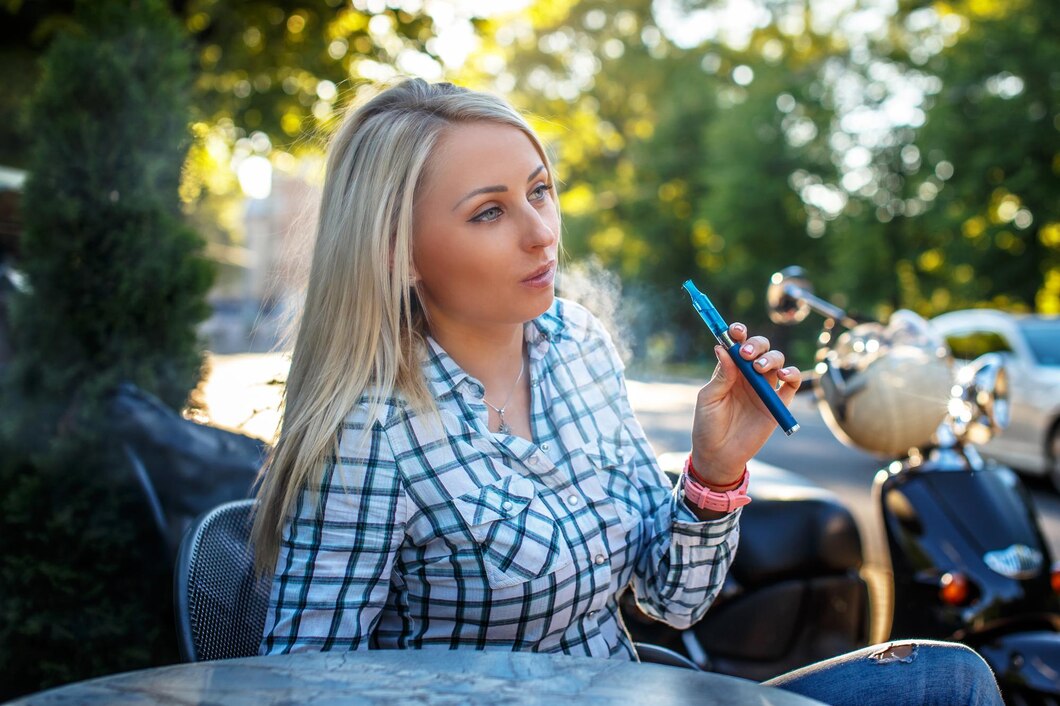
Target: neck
point(492, 355)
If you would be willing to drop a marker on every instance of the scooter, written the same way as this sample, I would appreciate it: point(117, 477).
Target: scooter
point(967, 557)
point(967, 561)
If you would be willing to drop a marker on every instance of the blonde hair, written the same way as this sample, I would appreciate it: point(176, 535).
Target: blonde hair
point(361, 329)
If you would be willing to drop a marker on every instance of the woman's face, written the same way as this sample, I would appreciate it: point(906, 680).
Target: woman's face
point(486, 229)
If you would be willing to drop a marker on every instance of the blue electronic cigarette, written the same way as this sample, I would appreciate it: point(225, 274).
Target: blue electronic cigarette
point(761, 386)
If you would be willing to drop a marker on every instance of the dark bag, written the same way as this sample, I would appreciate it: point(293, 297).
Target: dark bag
point(185, 468)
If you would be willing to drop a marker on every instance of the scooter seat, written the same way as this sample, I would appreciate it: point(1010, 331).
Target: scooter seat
point(793, 529)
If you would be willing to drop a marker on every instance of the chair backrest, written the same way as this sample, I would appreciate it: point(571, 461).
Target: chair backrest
point(219, 599)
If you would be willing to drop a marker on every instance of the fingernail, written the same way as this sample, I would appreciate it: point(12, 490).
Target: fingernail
point(761, 362)
point(748, 348)
point(738, 327)
point(719, 351)
point(788, 371)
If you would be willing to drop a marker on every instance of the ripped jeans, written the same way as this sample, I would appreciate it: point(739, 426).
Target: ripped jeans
point(921, 672)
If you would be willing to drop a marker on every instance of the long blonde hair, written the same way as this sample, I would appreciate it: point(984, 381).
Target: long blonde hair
point(361, 329)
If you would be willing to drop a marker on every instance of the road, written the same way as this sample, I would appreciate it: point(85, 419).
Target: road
point(664, 409)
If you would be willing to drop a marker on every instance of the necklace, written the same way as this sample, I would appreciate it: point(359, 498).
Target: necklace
point(505, 428)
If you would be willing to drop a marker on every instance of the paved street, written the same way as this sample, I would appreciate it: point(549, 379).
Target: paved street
point(665, 412)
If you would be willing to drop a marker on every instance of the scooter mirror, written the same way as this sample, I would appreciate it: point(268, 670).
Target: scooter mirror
point(785, 296)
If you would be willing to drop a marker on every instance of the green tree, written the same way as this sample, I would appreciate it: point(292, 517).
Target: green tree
point(274, 67)
point(269, 78)
point(990, 149)
point(958, 204)
point(117, 285)
point(676, 161)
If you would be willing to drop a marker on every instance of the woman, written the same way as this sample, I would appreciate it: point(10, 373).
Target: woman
point(459, 466)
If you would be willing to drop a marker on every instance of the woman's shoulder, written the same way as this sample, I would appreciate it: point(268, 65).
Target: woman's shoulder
point(375, 407)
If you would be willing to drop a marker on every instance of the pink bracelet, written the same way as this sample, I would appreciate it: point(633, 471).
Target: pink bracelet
point(705, 498)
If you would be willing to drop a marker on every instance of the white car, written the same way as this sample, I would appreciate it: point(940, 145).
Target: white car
point(1031, 347)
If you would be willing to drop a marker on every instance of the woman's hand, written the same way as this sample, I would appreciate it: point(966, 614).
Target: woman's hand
point(731, 424)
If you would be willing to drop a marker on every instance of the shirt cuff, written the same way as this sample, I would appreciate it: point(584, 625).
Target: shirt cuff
point(689, 530)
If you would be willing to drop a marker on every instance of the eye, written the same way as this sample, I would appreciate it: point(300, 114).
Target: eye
point(540, 191)
point(490, 214)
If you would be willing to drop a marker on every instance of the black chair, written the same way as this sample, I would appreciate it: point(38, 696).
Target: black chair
point(220, 600)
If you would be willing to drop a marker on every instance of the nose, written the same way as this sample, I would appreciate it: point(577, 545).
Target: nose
point(540, 227)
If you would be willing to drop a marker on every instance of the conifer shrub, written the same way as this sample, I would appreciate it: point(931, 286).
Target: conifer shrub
point(116, 286)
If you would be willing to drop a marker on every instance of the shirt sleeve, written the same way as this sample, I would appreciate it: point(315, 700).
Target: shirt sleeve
point(682, 560)
point(338, 549)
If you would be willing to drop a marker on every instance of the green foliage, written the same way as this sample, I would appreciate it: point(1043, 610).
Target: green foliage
point(805, 147)
point(636, 118)
point(83, 590)
point(105, 248)
point(672, 168)
point(757, 221)
point(993, 233)
point(261, 63)
point(258, 65)
point(117, 285)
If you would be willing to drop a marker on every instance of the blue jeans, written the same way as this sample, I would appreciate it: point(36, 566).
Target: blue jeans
point(921, 672)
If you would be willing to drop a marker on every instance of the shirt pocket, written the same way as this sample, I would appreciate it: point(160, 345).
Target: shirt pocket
point(612, 466)
point(519, 539)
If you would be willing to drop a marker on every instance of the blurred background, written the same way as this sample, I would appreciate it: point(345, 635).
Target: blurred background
point(160, 160)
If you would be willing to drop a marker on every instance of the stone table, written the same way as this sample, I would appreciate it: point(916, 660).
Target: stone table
point(416, 677)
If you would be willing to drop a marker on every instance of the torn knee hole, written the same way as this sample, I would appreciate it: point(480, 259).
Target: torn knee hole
point(903, 652)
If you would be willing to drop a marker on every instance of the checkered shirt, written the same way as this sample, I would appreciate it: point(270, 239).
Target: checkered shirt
point(442, 534)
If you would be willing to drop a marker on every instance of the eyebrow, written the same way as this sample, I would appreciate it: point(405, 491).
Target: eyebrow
point(496, 189)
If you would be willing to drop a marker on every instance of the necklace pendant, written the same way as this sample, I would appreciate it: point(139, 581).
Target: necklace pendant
point(504, 428)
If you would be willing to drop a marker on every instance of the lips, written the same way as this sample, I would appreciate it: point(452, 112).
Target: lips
point(542, 276)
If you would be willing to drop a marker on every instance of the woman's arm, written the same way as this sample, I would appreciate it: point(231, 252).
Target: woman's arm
point(336, 556)
point(686, 551)
point(682, 561)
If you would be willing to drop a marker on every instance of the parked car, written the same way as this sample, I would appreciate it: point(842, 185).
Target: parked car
point(1031, 346)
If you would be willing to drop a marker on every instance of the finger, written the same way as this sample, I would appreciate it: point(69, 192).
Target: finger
point(737, 332)
point(754, 346)
point(725, 376)
point(791, 379)
point(770, 360)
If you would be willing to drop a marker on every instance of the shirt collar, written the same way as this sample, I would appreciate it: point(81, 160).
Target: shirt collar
point(548, 327)
point(441, 371)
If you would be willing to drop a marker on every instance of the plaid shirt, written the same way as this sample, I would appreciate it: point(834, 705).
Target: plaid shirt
point(447, 535)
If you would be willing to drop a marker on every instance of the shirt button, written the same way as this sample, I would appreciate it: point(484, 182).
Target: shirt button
point(572, 500)
point(477, 391)
point(621, 455)
point(592, 613)
point(600, 559)
point(545, 447)
point(534, 381)
point(506, 506)
point(532, 460)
